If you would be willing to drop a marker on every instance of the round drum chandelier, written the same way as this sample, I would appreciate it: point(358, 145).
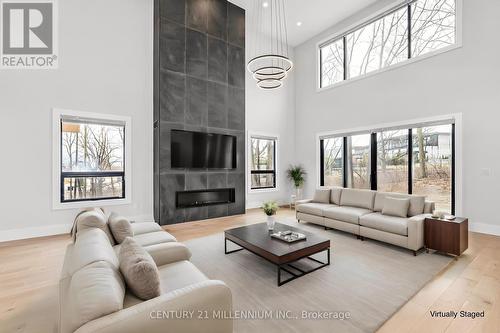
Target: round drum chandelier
point(270, 62)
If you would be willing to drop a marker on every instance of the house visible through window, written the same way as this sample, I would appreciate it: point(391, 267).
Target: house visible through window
point(92, 159)
point(409, 30)
point(414, 160)
point(262, 163)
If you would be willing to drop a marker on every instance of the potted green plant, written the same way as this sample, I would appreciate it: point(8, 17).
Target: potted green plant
point(270, 208)
point(297, 175)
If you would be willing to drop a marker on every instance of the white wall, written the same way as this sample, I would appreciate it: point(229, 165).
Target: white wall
point(105, 66)
point(466, 80)
point(272, 113)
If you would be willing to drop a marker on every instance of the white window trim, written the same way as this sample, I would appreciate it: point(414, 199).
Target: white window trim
point(274, 137)
point(456, 118)
point(458, 44)
point(56, 160)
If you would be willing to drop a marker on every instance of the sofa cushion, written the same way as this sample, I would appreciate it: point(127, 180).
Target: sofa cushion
point(120, 227)
point(396, 206)
point(322, 195)
point(417, 202)
point(139, 270)
point(173, 276)
point(92, 245)
point(313, 208)
point(391, 224)
point(91, 219)
point(93, 292)
point(357, 198)
point(145, 227)
point(336, 192)
point(156, 237)
point(346, 214)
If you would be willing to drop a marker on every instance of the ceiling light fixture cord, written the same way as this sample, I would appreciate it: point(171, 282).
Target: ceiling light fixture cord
point(270, 62)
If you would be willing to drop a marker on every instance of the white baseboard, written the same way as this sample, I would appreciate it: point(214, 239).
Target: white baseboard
point(253, 205)
point(52, 230)
point(484, 228)
point(33, 232)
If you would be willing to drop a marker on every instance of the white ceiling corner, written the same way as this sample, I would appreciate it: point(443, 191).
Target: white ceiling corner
point(315, 15)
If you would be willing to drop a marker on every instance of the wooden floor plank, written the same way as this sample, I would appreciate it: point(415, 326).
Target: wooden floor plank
point(30, 270)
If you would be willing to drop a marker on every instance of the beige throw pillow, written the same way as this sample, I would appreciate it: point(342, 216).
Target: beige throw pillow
point(120, 227)
point(396, 207)
point(139, 270)
point(322, 196)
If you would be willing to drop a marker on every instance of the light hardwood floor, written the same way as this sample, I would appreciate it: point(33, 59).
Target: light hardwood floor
point(29, 272)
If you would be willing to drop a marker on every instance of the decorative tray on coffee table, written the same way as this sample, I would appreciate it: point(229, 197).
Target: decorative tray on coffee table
point(288, 236)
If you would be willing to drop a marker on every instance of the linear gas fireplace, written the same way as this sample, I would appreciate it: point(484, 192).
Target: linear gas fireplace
point(200, 198)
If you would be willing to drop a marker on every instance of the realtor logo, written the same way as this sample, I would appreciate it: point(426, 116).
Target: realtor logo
point(28, 38)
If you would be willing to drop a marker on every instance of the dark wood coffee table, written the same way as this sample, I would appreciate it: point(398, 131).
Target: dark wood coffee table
point(257, 239)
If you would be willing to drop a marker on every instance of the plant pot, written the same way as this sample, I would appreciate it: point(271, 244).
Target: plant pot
point(297, 193)
point(270, 222)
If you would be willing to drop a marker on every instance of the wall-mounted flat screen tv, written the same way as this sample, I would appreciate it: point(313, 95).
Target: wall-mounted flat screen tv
point(198, 150)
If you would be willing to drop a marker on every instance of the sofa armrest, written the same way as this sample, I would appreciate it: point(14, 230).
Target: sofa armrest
point(304, 201)
point(416, 231)
point(167, 253)
point(429, 207)
point(202, 307)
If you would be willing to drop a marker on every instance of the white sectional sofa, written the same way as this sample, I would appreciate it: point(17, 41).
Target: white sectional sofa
point(94, 296)
point(388, 217)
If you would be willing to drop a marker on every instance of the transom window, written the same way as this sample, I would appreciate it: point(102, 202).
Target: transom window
point(262, 163)
point(407, 31)
point(92, 159)
point(414, 160)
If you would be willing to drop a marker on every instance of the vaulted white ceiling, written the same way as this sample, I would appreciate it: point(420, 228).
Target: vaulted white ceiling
point(315, 15)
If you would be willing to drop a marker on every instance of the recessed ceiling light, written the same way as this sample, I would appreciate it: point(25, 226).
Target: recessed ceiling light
point(265, 4)
point(299, 24)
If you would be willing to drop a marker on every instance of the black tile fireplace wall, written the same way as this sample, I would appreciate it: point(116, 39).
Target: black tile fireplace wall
point(199, 86)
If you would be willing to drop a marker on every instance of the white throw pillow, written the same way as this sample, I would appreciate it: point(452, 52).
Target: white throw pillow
point(322, 196)
point(396, 206)
point(120, 227)
point(139, 270)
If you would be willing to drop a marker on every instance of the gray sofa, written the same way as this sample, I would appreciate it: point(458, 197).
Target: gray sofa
point(94, 296)
point(361, 212)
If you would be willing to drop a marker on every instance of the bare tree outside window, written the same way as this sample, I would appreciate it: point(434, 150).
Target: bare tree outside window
point(92, 161)
point(358, 167)
point(433, 25)
point(432, 163)
point(386, 41)
point(262, 163)
point(332, 63)
point(380, 44)
point(392, 161)
point(333, 161)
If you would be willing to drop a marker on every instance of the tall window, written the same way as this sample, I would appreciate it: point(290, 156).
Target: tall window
point(262, 163)
point(415, 160)
point(358, 158)
point(407, 31)
point(392, 161)
point(432, 164)
point(92, 160)
point(333, 161)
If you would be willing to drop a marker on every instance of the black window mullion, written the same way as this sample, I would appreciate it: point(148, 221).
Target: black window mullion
point(344, 162)
point(322, 162)
point(373, 162)
point(410, 161)
point(409, 31)
point(344, 40)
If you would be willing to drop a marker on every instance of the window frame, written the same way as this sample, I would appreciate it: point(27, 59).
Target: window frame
point(58, 176)
point(387, 10)
point(454, 120)
point(250, 172)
